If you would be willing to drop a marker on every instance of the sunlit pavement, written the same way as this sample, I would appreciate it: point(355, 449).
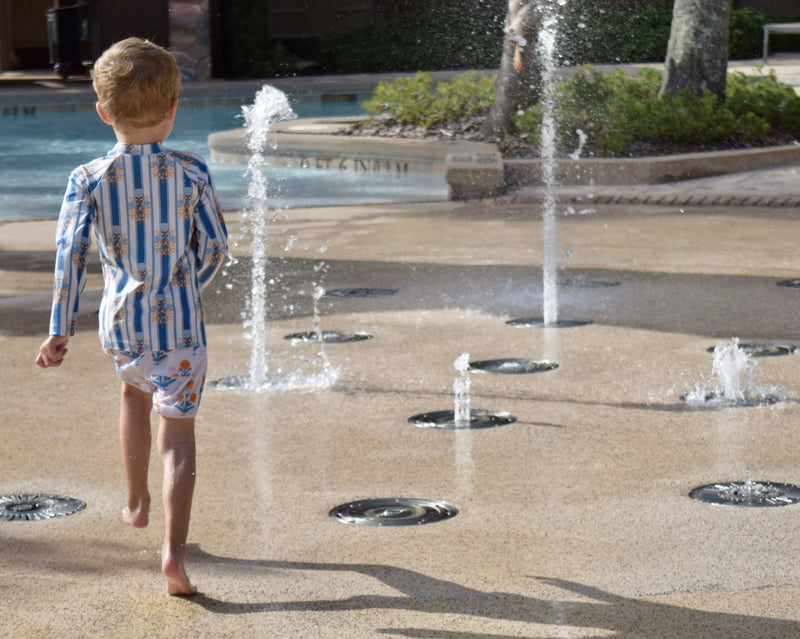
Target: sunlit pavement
point(574, 521)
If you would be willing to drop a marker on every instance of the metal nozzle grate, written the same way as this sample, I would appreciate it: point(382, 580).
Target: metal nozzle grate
point(393, 512)
point(32, 507)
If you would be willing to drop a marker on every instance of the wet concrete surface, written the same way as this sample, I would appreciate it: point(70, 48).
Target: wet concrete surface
point(574, 521)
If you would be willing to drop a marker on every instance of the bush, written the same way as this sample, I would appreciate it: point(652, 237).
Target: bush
point(416, 100)
point(776, 103)
point(590, 33)
point(746, 34)
point(452, 36)
point(468, 34)
point(443, 36)
point(615, 112)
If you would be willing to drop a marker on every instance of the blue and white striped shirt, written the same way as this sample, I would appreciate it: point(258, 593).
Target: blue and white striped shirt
point(161, 238)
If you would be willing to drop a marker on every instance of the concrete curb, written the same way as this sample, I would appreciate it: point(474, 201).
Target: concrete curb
point(652, 170)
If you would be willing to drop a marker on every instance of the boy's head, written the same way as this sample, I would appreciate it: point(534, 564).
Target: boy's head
point(136, 82)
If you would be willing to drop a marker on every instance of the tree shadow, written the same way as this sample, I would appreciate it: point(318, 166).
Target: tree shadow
point(601, 610)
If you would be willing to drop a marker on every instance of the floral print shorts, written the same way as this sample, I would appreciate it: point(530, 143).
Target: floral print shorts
point(175, 378)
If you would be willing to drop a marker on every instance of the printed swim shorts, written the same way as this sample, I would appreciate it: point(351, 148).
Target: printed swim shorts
point(175, 378)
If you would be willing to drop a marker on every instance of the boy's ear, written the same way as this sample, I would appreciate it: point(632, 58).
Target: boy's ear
point(173, 107)
point(102, 114)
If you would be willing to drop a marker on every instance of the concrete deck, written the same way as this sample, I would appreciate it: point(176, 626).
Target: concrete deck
point(574, 521)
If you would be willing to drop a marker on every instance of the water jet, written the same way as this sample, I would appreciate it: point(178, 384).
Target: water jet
point(733, 382)
point(463, 416)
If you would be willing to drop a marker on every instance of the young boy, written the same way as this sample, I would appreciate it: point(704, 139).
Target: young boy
point(161, 238)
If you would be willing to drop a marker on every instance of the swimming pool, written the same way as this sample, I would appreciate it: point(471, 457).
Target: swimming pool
point(38, 151)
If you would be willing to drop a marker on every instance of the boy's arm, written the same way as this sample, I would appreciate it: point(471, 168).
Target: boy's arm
point(211, 235)
point(73, 240)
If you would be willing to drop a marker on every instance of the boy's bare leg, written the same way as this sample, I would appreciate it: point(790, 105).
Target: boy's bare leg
point(135, 439)
point(176, 446)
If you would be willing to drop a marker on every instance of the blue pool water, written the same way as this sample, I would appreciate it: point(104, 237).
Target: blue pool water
point(37, 153)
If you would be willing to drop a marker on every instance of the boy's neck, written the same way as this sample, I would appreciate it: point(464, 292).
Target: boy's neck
point(155, 134)
point(150, 135)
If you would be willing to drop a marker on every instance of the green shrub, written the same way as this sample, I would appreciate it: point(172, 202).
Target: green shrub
point(442, 36)
point(745, 34)
point(614, 112)
point(468, 34)
point(418, 100)
point(593, 34)
point(598, 33)
point(776, 103)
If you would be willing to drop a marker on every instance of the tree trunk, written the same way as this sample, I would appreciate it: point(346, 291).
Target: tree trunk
point(519, 79)
point(697, 54)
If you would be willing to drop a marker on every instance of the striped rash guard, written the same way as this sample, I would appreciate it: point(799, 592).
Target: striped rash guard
point(161, 237)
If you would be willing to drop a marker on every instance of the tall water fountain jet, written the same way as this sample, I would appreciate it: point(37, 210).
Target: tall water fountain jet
point(547, 54)
point(550, 11)
point(271, 105)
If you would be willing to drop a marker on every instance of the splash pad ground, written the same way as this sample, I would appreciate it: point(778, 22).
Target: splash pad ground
point(574, 521)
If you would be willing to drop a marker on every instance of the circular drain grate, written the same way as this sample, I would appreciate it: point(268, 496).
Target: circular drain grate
point(748, 494)
point(393, 512)
point(33, 507)
point(445, 419)
point(330, 337)
point(583, 282)
point(714, 400)
point(538, 322)
point(512, 366)
point(790, 283)
point(764, 350)
point(360, 292)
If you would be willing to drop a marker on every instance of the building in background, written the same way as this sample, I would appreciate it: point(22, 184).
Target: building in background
point(27, 30)
point(197, 31)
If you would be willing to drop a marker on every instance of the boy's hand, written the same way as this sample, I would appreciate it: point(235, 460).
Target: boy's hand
point(52, 351)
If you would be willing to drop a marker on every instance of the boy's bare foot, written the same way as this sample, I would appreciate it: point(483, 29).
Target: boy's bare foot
point(178, 583)
point(136, 517)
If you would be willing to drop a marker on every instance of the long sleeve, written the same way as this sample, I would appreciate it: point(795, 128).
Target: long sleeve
point(73, 240)
point(211, 235)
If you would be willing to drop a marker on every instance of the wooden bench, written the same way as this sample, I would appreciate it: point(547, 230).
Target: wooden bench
point(779, 27)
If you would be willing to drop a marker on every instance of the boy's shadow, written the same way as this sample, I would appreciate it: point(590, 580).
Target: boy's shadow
point(625, 616)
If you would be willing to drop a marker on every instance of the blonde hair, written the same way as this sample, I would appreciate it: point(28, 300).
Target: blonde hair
point(135, 81)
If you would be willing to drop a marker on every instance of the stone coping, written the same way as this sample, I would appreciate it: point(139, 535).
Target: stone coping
point(312, 143)
point(475, 169)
